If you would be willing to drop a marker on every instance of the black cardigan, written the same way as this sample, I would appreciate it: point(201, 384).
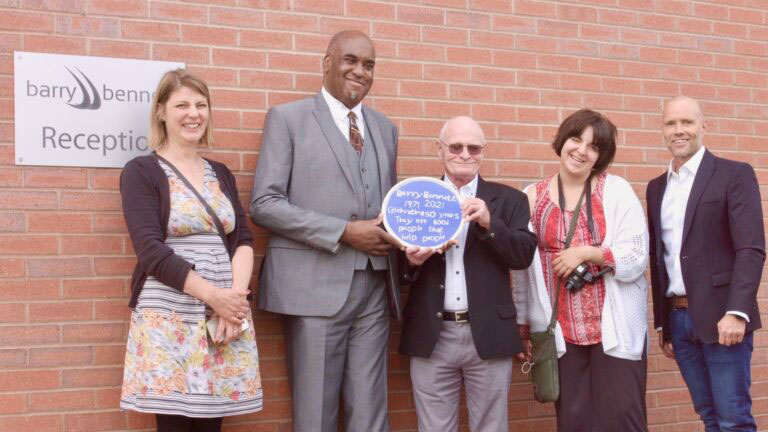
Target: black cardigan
point(147, 209)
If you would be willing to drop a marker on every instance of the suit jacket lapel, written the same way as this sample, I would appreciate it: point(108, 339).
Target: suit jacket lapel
point(706, 169)
point(379, 145)
point(484, 193)
point(656, 217)
point(333, 136)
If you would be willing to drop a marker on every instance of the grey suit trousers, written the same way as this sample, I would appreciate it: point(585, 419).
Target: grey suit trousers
point(437, 384)
point(342, 354)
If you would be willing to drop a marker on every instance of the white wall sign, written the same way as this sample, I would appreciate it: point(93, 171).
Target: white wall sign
point(82, 111)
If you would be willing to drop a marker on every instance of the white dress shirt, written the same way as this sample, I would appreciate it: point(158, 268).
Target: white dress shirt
point(340, 114)
point(455, 279)
point(673, 207)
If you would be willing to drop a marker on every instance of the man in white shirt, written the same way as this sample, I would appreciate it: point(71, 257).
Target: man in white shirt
point(707, 249)
point(460, 318)
point(325, 164)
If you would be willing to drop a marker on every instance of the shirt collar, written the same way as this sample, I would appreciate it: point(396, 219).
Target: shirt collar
point(469, 189)
point(340, 111)
point(691, 166)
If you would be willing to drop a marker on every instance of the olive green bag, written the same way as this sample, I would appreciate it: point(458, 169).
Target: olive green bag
point(544, 372)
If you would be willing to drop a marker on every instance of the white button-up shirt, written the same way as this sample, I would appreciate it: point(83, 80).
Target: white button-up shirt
point(673, 207)
point(455, 279)
point(340, 114)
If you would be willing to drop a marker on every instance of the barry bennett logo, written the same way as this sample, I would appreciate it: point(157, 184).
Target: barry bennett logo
point(83, 94)
point(89, 102)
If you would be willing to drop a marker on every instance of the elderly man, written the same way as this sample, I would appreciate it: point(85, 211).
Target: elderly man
point(325, 164)
point(707, 253)
point(460, 318)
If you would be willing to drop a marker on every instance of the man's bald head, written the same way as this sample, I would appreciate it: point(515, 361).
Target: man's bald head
point(683, 127)
point(343, 36)
point(460, 148)
point(685, 100)
point(348, 67)
point(462, 125)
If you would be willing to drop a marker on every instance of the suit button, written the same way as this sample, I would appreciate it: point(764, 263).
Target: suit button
point(439, 315)
point(685, 257)
point(492, 235)
point(442, 287)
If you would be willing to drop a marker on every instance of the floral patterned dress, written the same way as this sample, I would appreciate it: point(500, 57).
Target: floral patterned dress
point(579, 313)
point(171, 364)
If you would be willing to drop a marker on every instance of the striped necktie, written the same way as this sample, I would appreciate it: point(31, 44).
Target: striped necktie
point(354, 133)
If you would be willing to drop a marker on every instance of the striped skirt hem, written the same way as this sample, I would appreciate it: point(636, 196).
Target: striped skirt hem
point(197, 406)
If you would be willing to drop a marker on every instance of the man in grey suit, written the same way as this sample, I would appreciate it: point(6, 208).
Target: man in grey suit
point(325, 164)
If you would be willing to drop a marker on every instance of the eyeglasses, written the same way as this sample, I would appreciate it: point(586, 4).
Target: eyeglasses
point(457, 149)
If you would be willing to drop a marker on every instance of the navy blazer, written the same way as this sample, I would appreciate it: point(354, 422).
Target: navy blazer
point(723, 248)
point(488, 257)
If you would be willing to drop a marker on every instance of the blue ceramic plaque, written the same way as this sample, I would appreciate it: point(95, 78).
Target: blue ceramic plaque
point(422, 211)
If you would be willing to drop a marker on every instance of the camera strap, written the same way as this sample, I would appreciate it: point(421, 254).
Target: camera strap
point(587, 195)
point(568, 238)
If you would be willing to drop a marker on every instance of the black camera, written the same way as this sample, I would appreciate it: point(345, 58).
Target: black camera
point(579, 277)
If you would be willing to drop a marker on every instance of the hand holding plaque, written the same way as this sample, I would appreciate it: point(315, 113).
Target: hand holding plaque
point(367, 236)
point(423, 212)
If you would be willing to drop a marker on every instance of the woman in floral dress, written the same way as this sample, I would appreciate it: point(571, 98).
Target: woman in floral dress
point(601, 331)
point(191, 355)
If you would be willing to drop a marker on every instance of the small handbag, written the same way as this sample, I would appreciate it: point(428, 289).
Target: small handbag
point(544, 372)
point(543, 366)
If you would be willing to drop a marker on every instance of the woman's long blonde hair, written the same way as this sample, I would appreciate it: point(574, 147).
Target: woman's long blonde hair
point(170, 82)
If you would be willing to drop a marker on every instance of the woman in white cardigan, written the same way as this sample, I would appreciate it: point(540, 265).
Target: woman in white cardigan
point(601, 330)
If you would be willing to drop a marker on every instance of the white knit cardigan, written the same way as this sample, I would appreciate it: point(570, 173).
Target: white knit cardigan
point(624, 326)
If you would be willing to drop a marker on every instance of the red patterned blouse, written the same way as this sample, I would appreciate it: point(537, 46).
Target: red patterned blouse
point(579, 313)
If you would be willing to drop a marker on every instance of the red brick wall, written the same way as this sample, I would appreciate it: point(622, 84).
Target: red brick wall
point(517, 66)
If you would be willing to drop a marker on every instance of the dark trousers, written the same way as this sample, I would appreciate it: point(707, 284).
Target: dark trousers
point(178, 423)
point(600, 393)
point(717, 376)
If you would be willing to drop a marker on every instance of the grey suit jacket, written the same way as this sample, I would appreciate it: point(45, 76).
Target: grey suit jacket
point(303, 194)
